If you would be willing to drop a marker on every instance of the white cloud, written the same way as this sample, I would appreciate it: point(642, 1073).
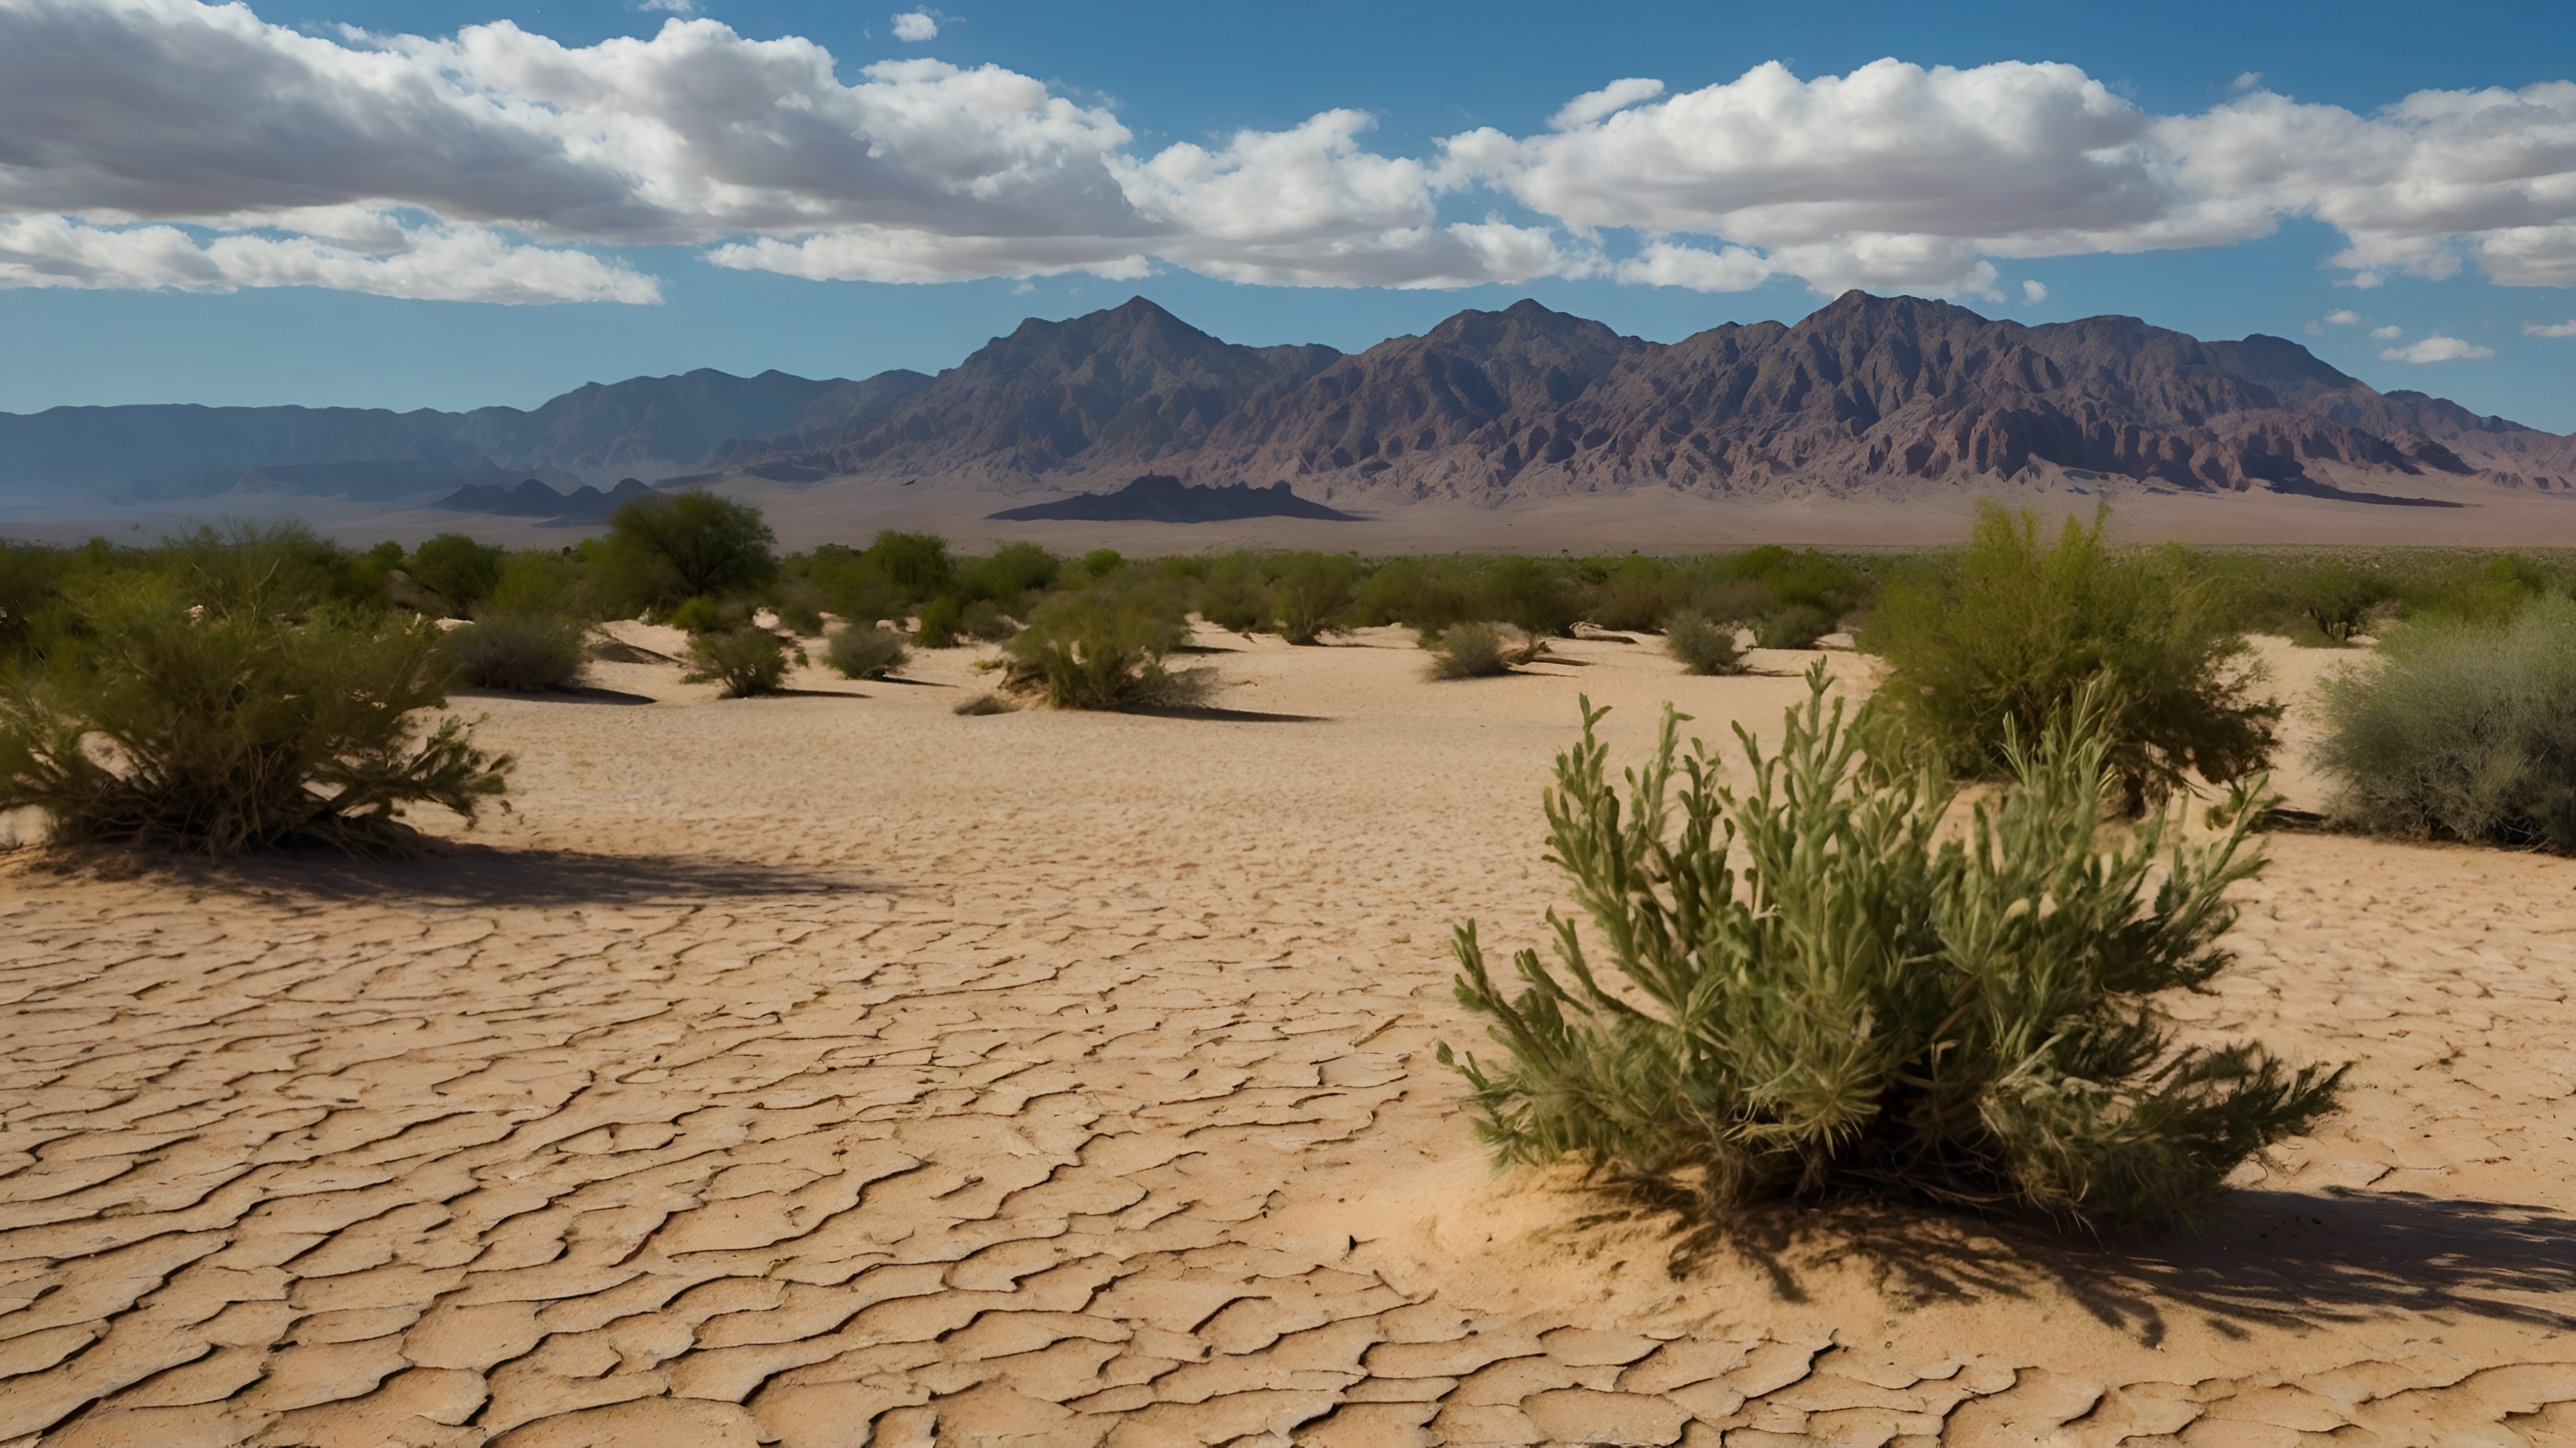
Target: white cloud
point(2343, 317)
point(2436, 349)
point(456, 264)
point(675, 7)
point(2549, 329)
point(1591, 106)
point(2384, 334)
point(2246, 81)
point(2034, 293)
point(126, 114)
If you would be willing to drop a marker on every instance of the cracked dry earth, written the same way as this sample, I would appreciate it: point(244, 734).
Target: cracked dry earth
point(839, 1071)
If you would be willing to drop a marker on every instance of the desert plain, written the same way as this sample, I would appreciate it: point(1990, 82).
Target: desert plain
point(834, 1069)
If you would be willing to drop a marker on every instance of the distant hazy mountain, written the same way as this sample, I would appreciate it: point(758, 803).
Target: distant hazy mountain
point(648, 427)
point(1868, 394)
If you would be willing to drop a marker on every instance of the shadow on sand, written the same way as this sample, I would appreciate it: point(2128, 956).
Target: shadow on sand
point(1211, 712)
point(2266, 1258)
point(450, 873)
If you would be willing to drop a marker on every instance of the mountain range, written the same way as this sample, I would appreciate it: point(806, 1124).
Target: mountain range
point(1868, 395)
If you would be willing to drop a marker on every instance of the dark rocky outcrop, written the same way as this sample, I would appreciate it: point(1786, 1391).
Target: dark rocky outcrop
point(1159, 498)
point(533, 499)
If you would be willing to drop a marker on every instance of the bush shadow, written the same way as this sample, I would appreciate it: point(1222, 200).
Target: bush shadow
point(2265, 1259)
point(442, 872)
point(1212, 712)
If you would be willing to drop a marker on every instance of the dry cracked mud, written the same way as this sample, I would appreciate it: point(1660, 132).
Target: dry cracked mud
point(825, 1071)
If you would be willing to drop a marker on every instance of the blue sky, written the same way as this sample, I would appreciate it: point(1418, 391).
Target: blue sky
point(1574, 206)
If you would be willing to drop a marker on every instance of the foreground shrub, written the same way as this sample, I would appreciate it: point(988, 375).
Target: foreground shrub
point(526, 652)
point(1866, 1012)
point(2461, 730)
point(865, 651)
point(746, 661)
point(1480, 650)
point(1313, 595)
point(463, 571)
point(1103, 647)
point(1702, 647)
point(217, 730)
point(2006, 643)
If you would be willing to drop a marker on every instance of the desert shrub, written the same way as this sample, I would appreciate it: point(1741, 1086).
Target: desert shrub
point(273, 569)
point(746, 661)
point(529, 652)
point(983, 704)
point(2005, 642)
point(984, 622)
point(865, 651)
point(1480, 650)
point(1103, 647)
point(2461, 730)
point(938, 627)
point(1009, 572)
point(463, 571)
point(1635, 594)
point(700, 615)
point(1312, 594)
point(1793, 626)
point(1233, 592)
point(2337, 598)
point(1702, 647)
point(669, 547)
point(1870, 1008)
point(31, 594)
point(205, 729)
point(556, 582)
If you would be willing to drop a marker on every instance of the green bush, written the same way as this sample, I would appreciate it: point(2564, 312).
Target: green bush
point(746, 661)
point(1103, 647)
point(559, 583)
point(1702, 647)
point(670, 547)
point(218, 729)
point(463, 571)
point(984, 622)
point(1480, 650)
point(940, 624)
point(523, 651)
point(1312, 594)
point(701, 615)
point(1793, 626)
point(2006, 641)
point(1634, 595)
point(2461, 730)
point(1869, 1008)
point(1233, 593)
point(865, 651)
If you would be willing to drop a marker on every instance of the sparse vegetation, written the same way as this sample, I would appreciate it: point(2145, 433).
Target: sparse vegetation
point(745, 661)
point(668, 548)
point(218, 720)
point(1480, 650)
point(985, 703)
point(526, 652)
point(2461, 730)
point(1313, 595)
point(1868, 1008)
point(1703, 647)
point(1103, 647)
point(1793, 626)
point(866, 651)
point(2005, 642)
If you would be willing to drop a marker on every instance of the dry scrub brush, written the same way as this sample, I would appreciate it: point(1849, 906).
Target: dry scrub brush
point(2461, 730)
point(866, 651)
point(527, 652)
point(1865, 1009)
point(1480, 650)
point(216, 728)
point(2008, 641)
point(1701, 646)
point(1103, 647)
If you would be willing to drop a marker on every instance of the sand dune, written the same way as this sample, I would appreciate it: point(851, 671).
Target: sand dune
point(837, 1070)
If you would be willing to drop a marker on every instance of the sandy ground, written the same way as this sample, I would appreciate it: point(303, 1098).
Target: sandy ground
point(836, 1070)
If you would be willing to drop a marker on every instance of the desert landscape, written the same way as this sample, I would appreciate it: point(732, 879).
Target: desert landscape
point(836, 1069)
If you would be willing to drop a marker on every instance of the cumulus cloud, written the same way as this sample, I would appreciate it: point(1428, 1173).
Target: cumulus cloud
point(2436, 349)
point(2384, 334)
point(2549, 329)
point(453, 264)
point(2343, 317)
point(2034, 292)
point(379, 160)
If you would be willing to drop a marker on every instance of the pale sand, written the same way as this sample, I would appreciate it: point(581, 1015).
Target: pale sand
point(828, 1071)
